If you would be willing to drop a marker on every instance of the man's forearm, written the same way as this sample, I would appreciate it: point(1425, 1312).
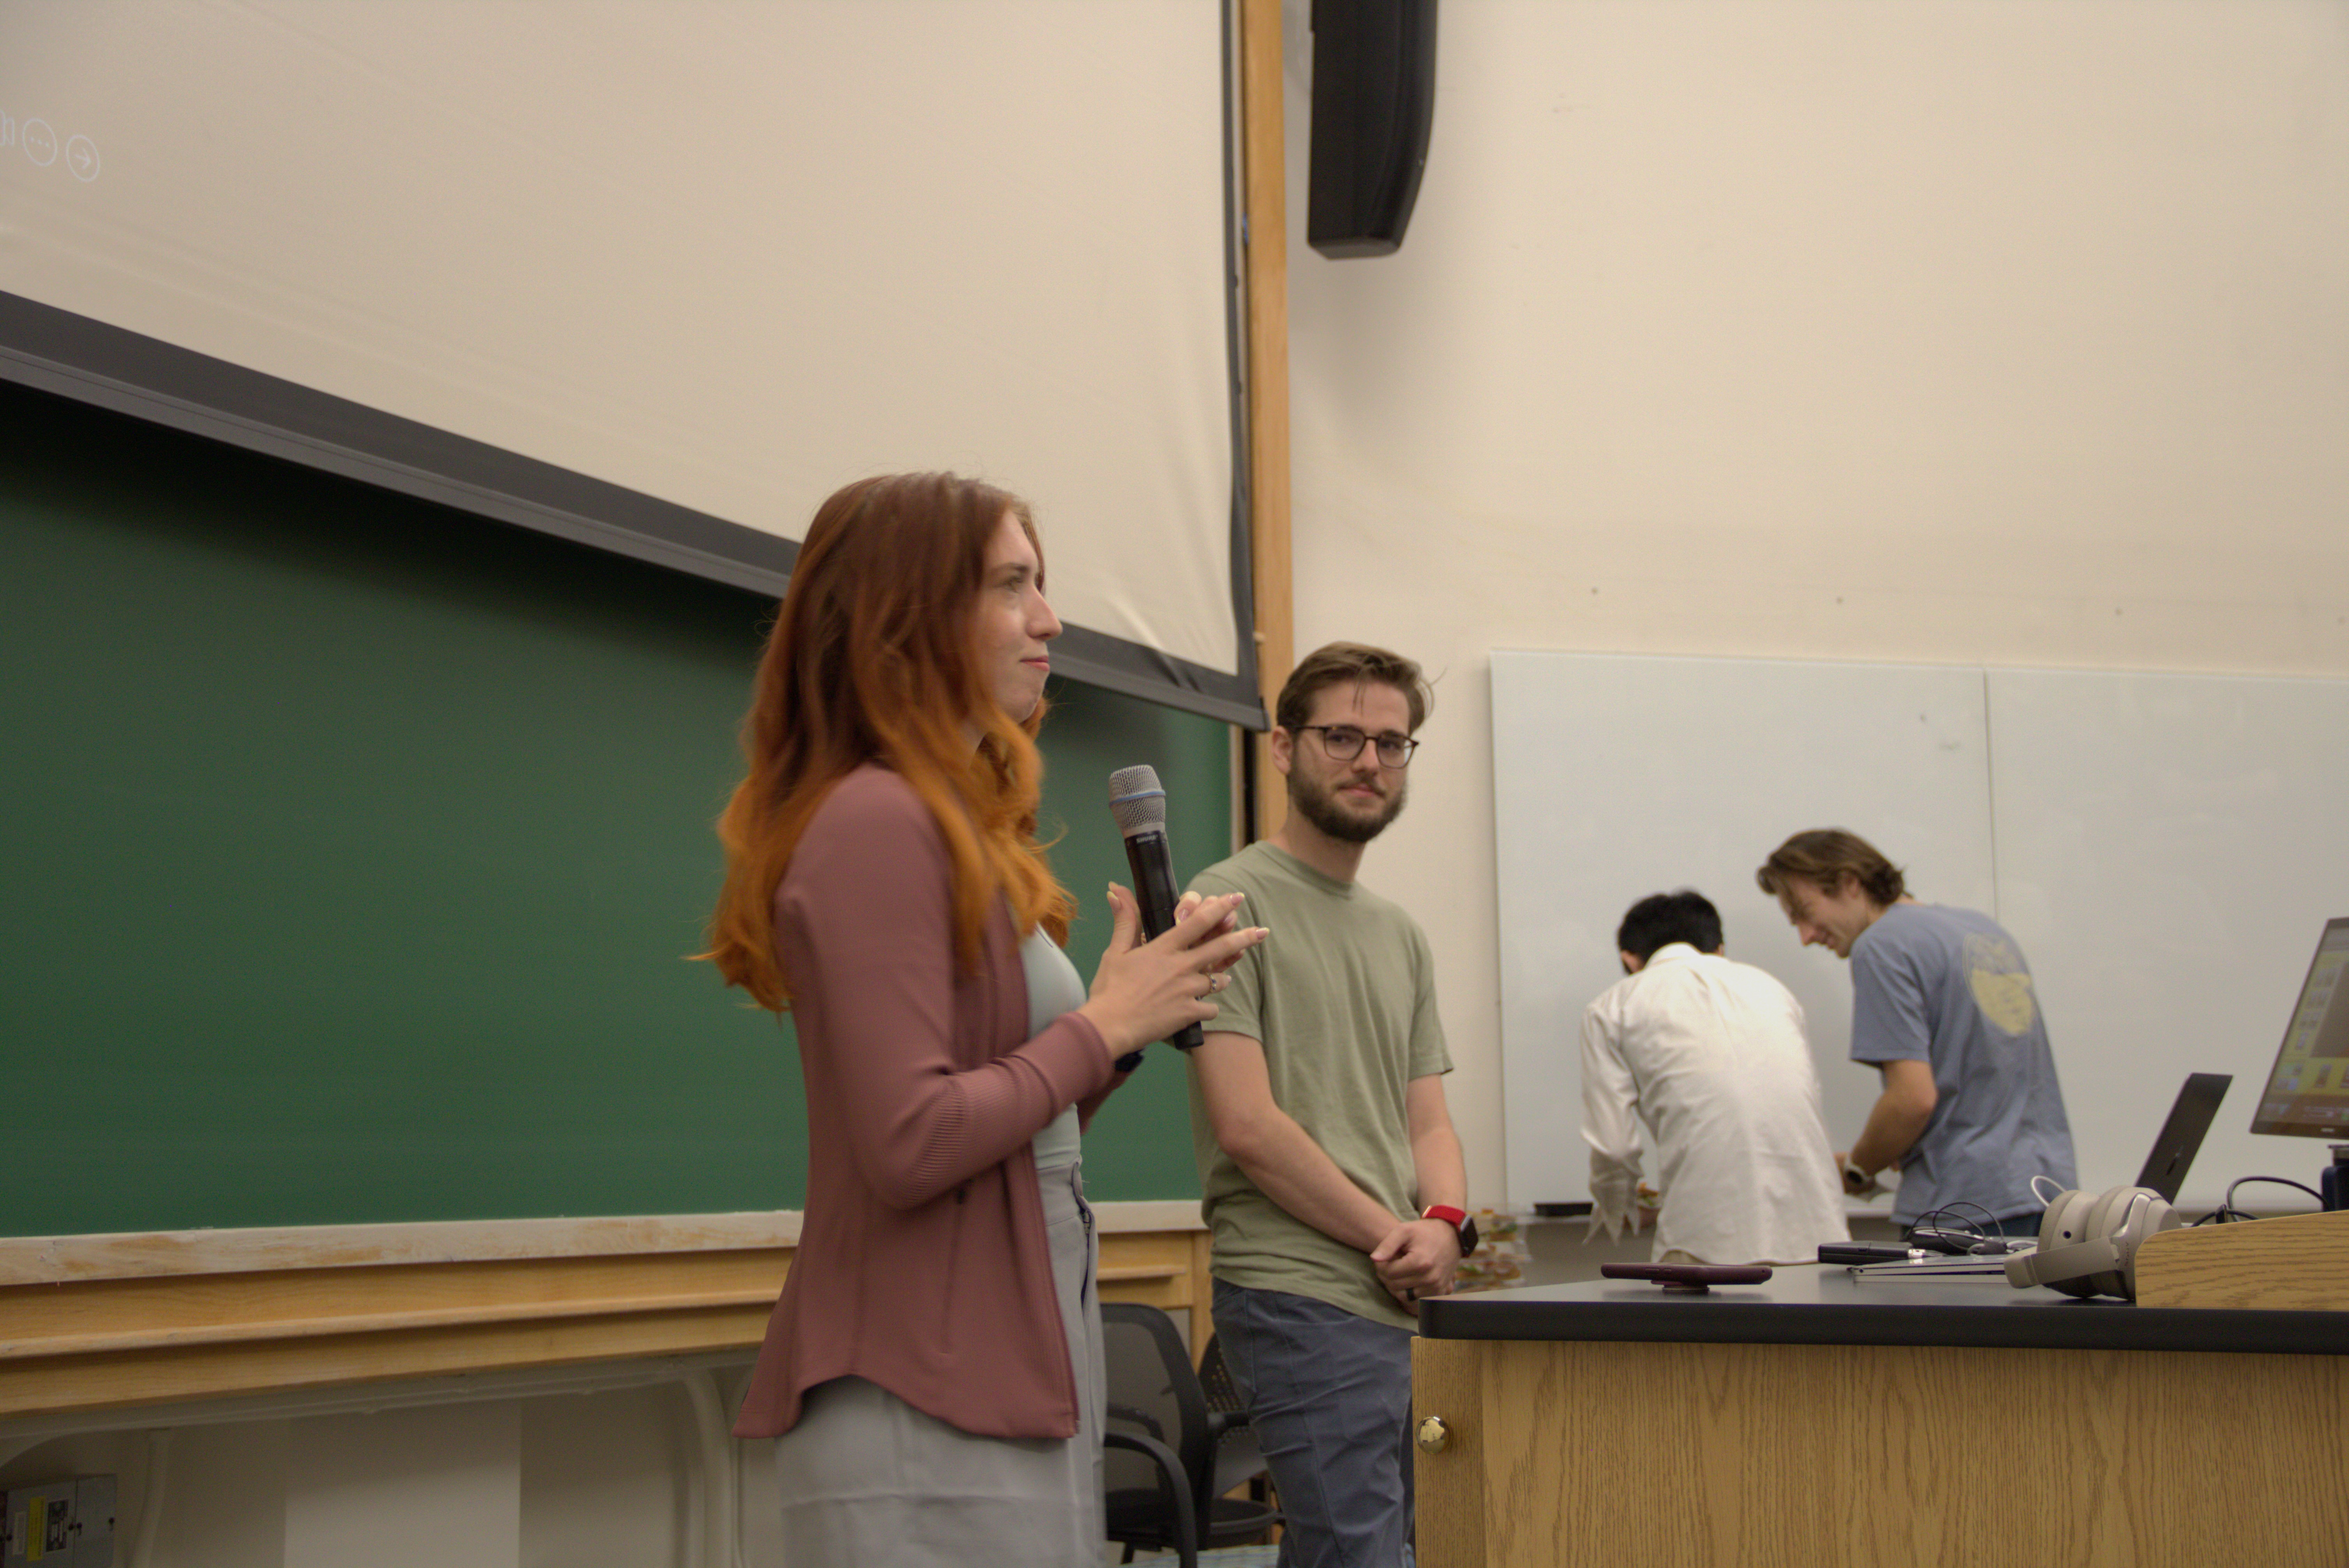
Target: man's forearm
point(1894, 1125)
point(1615, 1163)
point(1442, 1173)
point(1297, 1173)
point(1898, 1117)
point(1614, 1192)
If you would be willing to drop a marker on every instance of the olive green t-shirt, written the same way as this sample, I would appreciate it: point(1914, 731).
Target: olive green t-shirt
point(1342, 996)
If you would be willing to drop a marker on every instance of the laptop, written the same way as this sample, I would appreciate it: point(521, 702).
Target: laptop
point(2190, 1116)
point(2181, 1136)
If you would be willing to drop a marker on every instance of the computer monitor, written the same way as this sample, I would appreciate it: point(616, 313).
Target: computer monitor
point(2307, 1094)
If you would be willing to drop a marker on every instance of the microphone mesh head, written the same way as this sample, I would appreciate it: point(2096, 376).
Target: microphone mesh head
point(1136, 800)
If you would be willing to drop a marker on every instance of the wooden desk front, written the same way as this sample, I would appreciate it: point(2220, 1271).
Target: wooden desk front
point(1825, 1418)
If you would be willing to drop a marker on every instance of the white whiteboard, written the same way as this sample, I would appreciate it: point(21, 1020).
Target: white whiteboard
point(1617, 777)
point(2169, 848)
point(2166, 849)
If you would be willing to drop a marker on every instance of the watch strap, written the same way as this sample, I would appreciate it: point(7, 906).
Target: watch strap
point(1464, 1229)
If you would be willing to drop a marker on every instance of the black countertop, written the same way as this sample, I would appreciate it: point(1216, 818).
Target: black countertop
point(1817, 1303)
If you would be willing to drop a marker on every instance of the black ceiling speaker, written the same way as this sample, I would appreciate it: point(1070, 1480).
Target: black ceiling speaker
point(1373, 105)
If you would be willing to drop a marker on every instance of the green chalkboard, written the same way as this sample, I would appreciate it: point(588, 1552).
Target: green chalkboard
point(354, 846)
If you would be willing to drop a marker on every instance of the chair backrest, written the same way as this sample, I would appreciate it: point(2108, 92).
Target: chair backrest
point(1152, 1387)
point(1216, 1378)
point(1238, 1458)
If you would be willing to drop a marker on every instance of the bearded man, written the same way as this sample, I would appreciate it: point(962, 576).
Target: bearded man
point(1332, 1177)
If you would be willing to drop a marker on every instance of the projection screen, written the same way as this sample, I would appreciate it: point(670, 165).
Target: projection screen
point(659, 275)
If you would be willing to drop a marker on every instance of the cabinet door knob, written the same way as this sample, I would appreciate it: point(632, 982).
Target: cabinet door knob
point(1434, 1434)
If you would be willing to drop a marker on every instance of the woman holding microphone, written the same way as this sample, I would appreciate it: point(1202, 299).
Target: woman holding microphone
point(933, 1368)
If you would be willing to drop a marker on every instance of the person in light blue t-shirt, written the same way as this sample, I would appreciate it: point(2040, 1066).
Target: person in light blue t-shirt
point(1943, 1007)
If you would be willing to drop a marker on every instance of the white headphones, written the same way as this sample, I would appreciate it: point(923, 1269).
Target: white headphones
point(2088, 1241)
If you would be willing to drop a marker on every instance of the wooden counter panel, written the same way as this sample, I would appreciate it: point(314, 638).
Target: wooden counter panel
point(1755, 1455)
point(1447, 1379)
point(2292, 1263)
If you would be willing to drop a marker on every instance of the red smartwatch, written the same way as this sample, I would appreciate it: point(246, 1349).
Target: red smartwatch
point(1462, 1225)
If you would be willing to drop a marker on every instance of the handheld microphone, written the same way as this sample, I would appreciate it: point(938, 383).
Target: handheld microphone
point(1139, 805)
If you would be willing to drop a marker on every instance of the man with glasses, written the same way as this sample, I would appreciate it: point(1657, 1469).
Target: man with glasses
point(1333, 1176)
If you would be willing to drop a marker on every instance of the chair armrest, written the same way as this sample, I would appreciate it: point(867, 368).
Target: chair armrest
point(1174, 1483)
point(1143, 1418)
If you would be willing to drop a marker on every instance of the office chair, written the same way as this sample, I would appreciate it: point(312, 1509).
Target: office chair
point(1239, 1461)
point(1156, 1398)
point(1134, 1511)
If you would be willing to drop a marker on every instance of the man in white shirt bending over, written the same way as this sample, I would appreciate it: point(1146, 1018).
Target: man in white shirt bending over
point(1711, 1055)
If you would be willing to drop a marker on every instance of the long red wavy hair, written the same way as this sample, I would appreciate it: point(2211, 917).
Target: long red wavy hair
point(871, 661)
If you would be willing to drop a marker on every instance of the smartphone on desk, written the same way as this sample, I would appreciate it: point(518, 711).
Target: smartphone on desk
point(1688, 1276)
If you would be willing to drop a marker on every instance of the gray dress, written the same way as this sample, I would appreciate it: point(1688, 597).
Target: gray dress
point(866, 1478)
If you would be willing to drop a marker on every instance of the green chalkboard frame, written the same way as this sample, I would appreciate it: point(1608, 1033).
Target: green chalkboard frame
point(356, 846)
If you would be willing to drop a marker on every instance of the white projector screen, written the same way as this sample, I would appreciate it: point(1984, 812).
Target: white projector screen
point(661, 275)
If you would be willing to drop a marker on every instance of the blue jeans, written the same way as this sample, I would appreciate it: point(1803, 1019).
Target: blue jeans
point(1329, 1395)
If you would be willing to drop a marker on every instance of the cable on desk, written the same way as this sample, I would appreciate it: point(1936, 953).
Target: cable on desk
point(2226, 1212)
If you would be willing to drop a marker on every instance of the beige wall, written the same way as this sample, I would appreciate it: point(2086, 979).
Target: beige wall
point(1948, 331)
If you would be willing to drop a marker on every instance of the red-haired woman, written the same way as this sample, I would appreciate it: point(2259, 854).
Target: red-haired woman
point(933, 1368)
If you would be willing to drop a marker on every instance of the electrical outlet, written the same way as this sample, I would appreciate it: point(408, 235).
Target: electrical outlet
point(58, 1523)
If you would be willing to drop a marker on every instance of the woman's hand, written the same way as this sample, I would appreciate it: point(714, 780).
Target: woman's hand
point(1145, 991)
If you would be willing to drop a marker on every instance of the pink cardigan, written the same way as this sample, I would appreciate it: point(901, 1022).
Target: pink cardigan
point(922, 1263)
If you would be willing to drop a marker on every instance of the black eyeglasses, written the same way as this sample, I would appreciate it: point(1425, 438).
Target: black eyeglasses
point(1343, 742)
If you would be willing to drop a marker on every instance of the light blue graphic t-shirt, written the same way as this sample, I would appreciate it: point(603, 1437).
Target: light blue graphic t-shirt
point(1950, 987)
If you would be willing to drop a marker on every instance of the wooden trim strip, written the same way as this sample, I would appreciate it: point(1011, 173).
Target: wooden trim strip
point(1265, 172)
point(380, 1323)
point(50, 1260)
